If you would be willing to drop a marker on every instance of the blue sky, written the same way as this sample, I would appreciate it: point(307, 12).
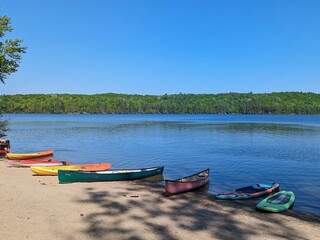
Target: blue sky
point(157, 47)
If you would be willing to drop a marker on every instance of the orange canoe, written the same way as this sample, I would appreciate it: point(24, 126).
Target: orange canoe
point(22, 156)
point(53, 170)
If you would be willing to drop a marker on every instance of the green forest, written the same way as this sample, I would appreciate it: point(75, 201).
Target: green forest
point(111, 103)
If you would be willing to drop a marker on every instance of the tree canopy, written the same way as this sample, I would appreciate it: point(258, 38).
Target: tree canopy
point(108, 103)
point(10, 57)
point(10, 50)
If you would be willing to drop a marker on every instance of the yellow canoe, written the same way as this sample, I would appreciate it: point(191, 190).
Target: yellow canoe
point(53, 170)
point(22, 156)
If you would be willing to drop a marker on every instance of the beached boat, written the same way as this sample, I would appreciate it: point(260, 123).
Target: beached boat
point(278, 202)
point(4, 146)
point(252, 191)
point(188, 183)
point(29, 163)
point(53, 170)
point(22, 156)
point(109, 175)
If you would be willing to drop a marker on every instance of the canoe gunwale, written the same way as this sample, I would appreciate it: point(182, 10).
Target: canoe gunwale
point(117, 171)
point(196, 180)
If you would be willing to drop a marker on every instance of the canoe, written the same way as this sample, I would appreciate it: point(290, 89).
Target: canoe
point(53, 170)
point(252, 191)
point(188, 183)
point(22, 156)
point(278, 202)
point(29, 163)
point(66, 176)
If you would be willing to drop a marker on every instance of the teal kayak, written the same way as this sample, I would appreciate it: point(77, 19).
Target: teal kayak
point(278, 202)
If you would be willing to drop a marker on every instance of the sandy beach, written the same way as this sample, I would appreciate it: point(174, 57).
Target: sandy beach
point(34, 207)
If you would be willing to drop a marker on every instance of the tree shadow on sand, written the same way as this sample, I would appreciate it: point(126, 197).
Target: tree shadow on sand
point(139, 210)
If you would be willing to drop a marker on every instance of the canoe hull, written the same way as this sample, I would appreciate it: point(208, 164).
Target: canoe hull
point(248, 192)
point(53, 170)
point(109, 175)
point(22, 156)
point(187, 184)
point(278, 202)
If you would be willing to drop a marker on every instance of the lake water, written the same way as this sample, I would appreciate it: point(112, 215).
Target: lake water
point(239, 149)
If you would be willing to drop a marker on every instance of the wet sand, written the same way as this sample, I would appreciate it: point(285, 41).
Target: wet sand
point(33, 207)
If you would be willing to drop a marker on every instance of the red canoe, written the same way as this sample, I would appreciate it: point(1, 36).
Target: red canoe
point(188, 183)
point(29, 163)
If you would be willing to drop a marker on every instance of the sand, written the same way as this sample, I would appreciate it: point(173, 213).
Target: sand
point(33, 207)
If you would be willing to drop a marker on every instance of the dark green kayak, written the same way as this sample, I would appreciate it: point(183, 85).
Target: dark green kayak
point(278, 202)
point(109, 175)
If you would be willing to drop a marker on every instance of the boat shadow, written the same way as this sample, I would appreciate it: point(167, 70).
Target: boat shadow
point(138, 210)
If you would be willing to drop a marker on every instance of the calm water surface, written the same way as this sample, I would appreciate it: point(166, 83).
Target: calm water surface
point(239, 149)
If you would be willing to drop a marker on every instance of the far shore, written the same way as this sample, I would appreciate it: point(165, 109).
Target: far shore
point(34, 207)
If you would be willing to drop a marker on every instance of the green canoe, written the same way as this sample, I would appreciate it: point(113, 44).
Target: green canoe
point(278, 202)
point(108, 175)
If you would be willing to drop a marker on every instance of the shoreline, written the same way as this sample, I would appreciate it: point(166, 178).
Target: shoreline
point(35, 207)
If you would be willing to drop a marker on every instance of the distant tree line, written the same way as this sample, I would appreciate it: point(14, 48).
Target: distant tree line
point(109, 103)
